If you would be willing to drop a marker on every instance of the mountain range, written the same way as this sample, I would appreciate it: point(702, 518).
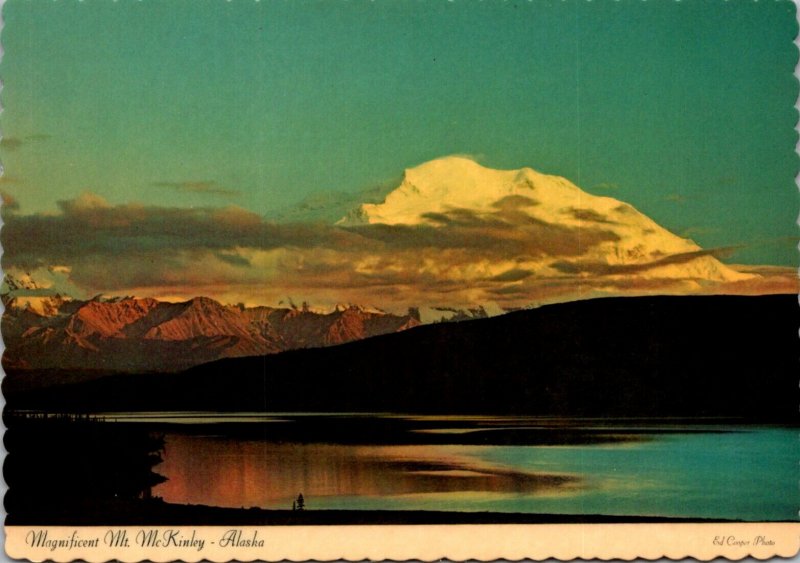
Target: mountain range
point(453, 239)
point(449, 233)
point(130, 334)
point(701, 356)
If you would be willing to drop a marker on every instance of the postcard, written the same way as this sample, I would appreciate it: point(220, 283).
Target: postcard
point(399, 280)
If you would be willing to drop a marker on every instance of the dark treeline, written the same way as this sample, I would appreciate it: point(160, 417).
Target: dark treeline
point(648, 356)
point(57, 465)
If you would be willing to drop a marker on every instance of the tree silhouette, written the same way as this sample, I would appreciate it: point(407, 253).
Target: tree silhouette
point(300, 502)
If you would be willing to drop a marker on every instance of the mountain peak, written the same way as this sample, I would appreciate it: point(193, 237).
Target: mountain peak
point(131, 333)
point(459, 183)
point(203, 301)
point(23, 281)
point(448, 165)
point(556, 227)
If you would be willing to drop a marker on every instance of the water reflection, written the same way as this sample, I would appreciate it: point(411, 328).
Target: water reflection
point(61, 465)
point(221, 472)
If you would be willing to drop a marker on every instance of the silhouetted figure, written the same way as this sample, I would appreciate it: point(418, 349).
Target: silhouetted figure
point(300, 503)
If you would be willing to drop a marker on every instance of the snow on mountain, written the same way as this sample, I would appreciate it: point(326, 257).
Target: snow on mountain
point(21, 282)
point(25, 291)
point(41, 281)
point(134, 334)
point(454, 240)
point(41, 305)
point(456, 192)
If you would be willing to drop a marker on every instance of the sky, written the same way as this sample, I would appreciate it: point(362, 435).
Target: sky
point(248, 109)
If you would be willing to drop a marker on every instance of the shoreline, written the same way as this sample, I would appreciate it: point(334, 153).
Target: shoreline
point(118, 513)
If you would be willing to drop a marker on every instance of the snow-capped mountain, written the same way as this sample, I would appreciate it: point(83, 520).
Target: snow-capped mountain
point(24, 282)
point(453, 240)
point(552, 227)
point(24, 292)
point(147, 334)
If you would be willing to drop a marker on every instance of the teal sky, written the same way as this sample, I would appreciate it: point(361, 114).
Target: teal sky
point(684, 109)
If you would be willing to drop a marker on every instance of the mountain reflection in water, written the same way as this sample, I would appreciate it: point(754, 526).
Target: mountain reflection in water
point(700, 469)
point(708, 468)
point(220, 472)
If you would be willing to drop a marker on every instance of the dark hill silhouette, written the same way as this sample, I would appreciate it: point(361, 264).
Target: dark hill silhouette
point(648, 356)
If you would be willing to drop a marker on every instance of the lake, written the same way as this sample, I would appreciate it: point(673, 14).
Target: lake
point(706, 470)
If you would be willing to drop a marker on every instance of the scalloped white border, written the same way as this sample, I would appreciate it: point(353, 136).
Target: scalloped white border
point(431, 543)
point(626, 542)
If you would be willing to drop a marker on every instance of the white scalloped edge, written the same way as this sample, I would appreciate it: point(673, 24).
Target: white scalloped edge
point(434, 543)
point(374, 540)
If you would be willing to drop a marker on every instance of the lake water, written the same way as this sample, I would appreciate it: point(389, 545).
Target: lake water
point(479, 464)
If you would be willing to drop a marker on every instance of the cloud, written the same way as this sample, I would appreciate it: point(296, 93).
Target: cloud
point(676, 198)
point(48, 280)
point(113, 248)
point(8, 179)
point(199, 187)
point(499, 234)
point(330, 206)
point(89, 227)
point(589, 215)
point(603, 269)
point(516, 274)
point(11, 144)
point(514, 202)
point(9, 202)
point(459, 258)
point(86, 202)
point(233, 259)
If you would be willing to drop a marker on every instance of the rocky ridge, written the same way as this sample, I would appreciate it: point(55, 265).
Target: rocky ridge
point(132, 334)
